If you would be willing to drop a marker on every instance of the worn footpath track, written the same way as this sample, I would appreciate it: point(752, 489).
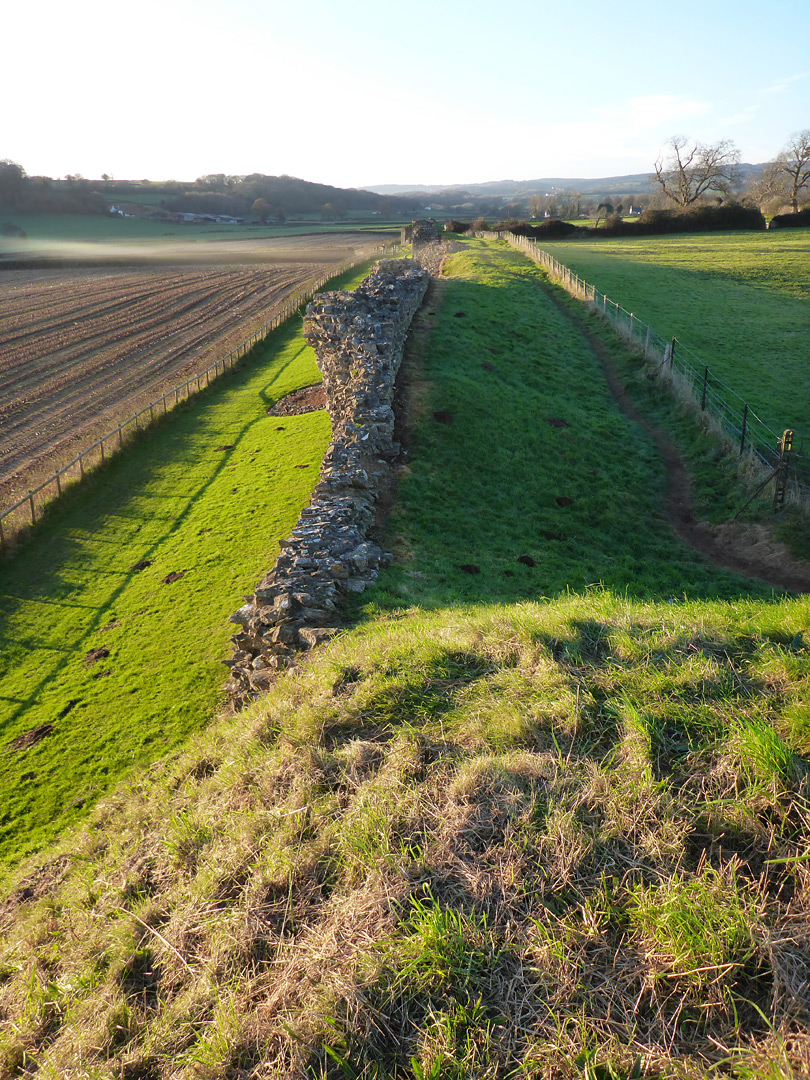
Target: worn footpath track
point(731, 547)
point(81, 350)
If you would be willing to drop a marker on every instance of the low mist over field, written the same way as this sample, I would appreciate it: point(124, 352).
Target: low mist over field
point(171, 248)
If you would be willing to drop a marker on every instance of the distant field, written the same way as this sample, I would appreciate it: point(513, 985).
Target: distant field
point(96, 236)
point(80, 352)
point(740, 301)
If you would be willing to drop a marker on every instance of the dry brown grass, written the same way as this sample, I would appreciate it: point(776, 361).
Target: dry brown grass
point(468, 844)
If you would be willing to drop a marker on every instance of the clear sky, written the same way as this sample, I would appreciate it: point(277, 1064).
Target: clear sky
point(362, 92)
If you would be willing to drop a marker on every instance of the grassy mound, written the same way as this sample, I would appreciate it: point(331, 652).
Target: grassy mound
point(455, 844)
point(562, 835)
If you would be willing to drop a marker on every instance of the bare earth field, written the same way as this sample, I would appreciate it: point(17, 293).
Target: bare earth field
point(83, 348)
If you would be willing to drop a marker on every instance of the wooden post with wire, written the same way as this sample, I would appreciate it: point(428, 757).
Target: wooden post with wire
point(782, 470)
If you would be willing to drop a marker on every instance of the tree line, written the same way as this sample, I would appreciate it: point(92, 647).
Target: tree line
point(267, 197)
point(687, 174)
point(692, 171)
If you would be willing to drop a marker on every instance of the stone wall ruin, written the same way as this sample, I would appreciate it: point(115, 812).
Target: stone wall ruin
point(421, 231)
point(358, 339)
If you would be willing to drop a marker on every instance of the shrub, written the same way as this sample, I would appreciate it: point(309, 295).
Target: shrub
point(457, 226)
point(614, 224)
point(480, 225)
point(550, 228)
point(704, 218)
point(801, 220)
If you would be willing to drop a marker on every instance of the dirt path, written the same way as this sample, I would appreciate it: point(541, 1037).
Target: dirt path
point(747, 549)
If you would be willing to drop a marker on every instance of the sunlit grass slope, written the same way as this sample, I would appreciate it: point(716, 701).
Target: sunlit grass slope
point(207, 494)
point(740, 301)
point(557, 839)
point(538, 461)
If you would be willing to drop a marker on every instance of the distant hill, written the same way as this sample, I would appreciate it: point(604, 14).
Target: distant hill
point(638, 183)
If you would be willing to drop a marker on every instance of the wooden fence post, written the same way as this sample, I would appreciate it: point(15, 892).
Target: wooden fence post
point(785, 448)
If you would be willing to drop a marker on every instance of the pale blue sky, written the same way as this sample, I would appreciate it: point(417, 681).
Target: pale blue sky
point(360, 92)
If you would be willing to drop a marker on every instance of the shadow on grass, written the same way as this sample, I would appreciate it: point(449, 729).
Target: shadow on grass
point(119, 489)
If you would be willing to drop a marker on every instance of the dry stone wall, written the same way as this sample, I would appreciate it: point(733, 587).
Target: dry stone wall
point(358, 340)
point(431, 256)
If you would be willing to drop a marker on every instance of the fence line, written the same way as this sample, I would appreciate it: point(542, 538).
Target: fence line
point(114, 440)
point(734, 415)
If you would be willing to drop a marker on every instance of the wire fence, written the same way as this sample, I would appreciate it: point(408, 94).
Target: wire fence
point(25, 511)
point(686, 371)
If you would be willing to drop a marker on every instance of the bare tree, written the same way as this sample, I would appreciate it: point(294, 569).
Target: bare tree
point(607, 207)
point(769, 189)
point(694, 168)
point(570, 203)
point(794, 164)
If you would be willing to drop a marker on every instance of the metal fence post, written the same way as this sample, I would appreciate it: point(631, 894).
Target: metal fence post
point(744, 427)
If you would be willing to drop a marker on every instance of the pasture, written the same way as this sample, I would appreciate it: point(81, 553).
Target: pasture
point(115, 662)
point(740, 301)
point(559, 836)
point(557, 473)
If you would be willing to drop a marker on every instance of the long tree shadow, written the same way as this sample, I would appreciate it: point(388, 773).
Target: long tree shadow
point(117, 491)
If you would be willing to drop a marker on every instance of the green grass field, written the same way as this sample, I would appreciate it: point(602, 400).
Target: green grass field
point(740, 301)
point(513, 828)
point(208, 492)
point(508, 366)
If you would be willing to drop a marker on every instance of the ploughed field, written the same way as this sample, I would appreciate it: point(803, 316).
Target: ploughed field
point(82, 349)
point(79, 351)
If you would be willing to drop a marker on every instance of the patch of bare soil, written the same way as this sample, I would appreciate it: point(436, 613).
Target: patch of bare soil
point(31, 737)
point(746, 549)
point(308, 399)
